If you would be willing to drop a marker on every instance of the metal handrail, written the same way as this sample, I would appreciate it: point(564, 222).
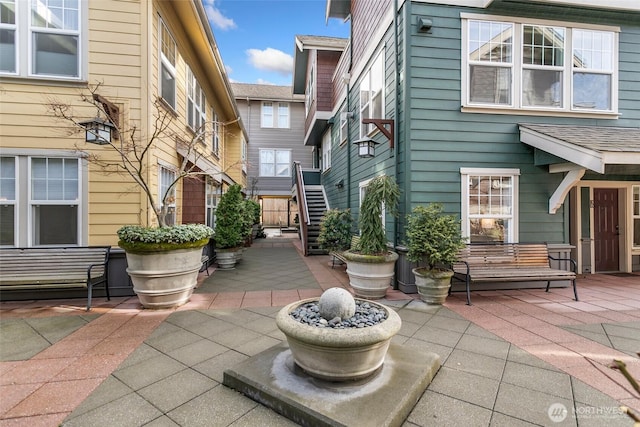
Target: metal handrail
point(303, 210)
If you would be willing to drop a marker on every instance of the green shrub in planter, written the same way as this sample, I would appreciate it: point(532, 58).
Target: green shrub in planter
point(139, 239)
point(433, 237)
point(229, 232)
point(335, 230)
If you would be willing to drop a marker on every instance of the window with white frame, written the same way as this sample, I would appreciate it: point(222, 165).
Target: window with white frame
point(244, 149)
point(489, 205)
point(309, 93)
point(167, 194)
point(283, 115)
point(54, 198)
point(326, 151)
point(362, 190)
point(539, 66)
point(211, 189)
point(266, 115)
point(215, 143)
point(167, 65)
point(196, 103)
point(636, 216)
point(372, 94)
point(344, 126)
point(274, 162)
point(41, 38)
point(8, 191)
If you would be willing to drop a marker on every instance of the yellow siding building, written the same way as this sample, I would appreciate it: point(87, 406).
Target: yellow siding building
point(142, 54)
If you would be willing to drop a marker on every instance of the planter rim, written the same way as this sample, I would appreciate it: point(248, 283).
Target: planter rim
point(370, 259)
point(142, 248)
point(339, 338)
point(435, 272)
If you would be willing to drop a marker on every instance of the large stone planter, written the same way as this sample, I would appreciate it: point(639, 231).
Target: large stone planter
point(164, 279)
point(338, 354)
point(433, 285)
point(370, 276)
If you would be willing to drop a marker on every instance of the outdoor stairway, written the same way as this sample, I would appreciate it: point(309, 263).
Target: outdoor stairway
point(316, 206)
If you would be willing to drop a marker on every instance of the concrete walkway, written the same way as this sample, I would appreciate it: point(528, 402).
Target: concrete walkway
point(513, 358)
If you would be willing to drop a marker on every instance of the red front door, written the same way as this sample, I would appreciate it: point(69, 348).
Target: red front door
point(606, 229)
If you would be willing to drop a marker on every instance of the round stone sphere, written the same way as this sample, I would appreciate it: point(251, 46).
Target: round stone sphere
point(336, 302)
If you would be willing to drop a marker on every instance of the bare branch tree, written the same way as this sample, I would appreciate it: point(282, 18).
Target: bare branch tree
point(132, 147)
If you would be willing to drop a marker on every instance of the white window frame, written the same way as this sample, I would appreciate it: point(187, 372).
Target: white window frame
point(344, 126)
point(211, 201)
point(215, 137)
point(5, 182)
point(266, 114)
point(244, 149)
point(309, 94)
point(372, 84)
point(165, 173)
point(283, 116)
point(516, 103)
point(512, 234)
point(196, 103)
point(326, 151)
point(362, 188)
point(166, 62)
point(635, 214)
point(24, 44)
point(275, 152)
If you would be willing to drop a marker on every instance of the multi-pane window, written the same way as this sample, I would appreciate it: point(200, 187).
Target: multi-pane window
point(283, 115)
point(7, 201)
point(276, 163)
point(168, 194)
point(215, 137)
point(636, 216)
point(167, 65)
point(41, 38)
point(266, 115)
point(54, 196)
point(196, 103)
point(309, 93)
point(8, 27)
point(550, 67)
point(344, 126)
point(211, 202)
point(489, 203)
point(372, 94)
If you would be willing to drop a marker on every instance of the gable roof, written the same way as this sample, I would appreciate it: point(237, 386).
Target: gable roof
point(591, 147)
point(304, 44)
point(264, 92)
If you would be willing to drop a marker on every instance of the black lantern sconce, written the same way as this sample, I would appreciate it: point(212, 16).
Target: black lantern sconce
point(340, 184)
point(98, 131)
point(366, 145)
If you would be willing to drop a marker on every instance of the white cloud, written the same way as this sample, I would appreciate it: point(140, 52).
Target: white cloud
point(271, 60)
point(216, 18)
point(264, 82)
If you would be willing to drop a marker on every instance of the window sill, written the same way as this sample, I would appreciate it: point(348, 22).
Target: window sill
point(166, 106)
point(552, 113)
point(43, 81)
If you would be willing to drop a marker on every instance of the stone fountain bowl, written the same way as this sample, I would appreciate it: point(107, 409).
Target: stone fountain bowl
point(338, 354)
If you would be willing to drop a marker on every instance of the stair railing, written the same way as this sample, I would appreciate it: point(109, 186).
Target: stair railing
point(303, 209)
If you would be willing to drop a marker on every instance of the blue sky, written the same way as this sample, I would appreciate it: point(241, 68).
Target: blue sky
point(256, 37)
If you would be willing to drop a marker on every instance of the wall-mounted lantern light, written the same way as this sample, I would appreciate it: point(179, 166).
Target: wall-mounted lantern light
point(340, 184)
point(97, 131)
point(366, 147)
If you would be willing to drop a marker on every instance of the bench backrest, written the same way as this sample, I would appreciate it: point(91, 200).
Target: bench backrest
point(506, 255)
point(50, 264)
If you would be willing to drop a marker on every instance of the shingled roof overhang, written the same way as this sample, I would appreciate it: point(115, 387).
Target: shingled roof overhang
point(582, 147)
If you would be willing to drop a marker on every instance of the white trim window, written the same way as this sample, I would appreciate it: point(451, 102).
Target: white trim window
point(244, 149)
point(266, 114)
point(372, 94)
point(215, 137)
point(309, 95)
point(344, 126)
point(166, 178)
point(8, 194)
point(635, 216)
point(196, 103)
point(41, 38)
point(532, 65)
point(211, 201)
point(326, 151)
point(275, 162)
point(283, 115)
point(54, 201)
point(362, 190)
point(490, 205)
point(167, 48)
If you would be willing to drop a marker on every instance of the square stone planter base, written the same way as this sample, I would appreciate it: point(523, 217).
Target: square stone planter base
point(385, 399)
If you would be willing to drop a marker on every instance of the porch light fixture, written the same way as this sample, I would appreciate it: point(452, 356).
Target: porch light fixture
point(382, 124)
point(366, 147)
point(97, 131)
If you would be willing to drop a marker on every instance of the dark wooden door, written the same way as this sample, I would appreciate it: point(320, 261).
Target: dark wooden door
point(606, 229)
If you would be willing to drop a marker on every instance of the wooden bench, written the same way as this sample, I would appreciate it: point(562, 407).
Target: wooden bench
point(55, 267)
point(355, 241)
point(510, 262)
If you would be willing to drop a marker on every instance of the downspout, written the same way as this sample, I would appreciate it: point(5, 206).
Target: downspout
point(348, 118)
point(397, 102)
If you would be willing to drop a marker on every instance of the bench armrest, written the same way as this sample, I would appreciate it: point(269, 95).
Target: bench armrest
point(574, 265)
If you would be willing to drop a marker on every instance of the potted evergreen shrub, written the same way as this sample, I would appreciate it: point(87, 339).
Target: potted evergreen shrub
point(229, 232)
point(335, 230)
point(371, 265)
point(434, 242)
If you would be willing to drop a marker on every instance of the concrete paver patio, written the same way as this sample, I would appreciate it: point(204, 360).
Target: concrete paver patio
point(515, 357)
